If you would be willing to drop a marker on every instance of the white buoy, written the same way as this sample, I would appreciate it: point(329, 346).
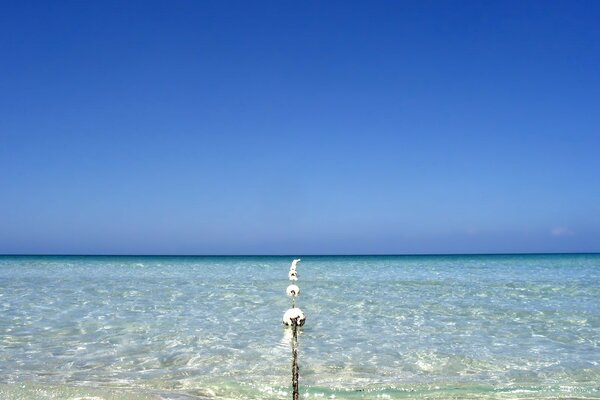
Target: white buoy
point(293, 290)
point(294, 313)
point(293, 275)
point(294, 264)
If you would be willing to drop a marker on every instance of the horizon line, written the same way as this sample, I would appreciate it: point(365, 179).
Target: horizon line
point(299, 254)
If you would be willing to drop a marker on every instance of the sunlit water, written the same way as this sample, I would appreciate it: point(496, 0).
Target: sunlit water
point(460, 327)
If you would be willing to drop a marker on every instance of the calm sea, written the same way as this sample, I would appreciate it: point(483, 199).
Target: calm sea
point(436, 327)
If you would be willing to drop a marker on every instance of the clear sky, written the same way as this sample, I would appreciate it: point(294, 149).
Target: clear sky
point(298, 127)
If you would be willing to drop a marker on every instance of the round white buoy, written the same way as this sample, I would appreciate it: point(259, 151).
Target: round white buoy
point(293, 290)
point(294, 313)
point(293, 275)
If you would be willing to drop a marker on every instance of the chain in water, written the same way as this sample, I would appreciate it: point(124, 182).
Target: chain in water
point(295, 368)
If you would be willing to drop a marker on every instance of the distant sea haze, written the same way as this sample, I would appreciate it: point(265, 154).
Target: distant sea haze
point(396, 327)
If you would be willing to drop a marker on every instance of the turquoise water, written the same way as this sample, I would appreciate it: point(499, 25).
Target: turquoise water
point(462, 327)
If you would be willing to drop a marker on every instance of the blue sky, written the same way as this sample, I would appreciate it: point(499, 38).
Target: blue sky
point(197, 127)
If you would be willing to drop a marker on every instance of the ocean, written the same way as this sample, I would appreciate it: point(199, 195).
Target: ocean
point(377, 327)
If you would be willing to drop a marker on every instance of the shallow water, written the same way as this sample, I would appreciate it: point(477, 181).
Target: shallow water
point(464, 327)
